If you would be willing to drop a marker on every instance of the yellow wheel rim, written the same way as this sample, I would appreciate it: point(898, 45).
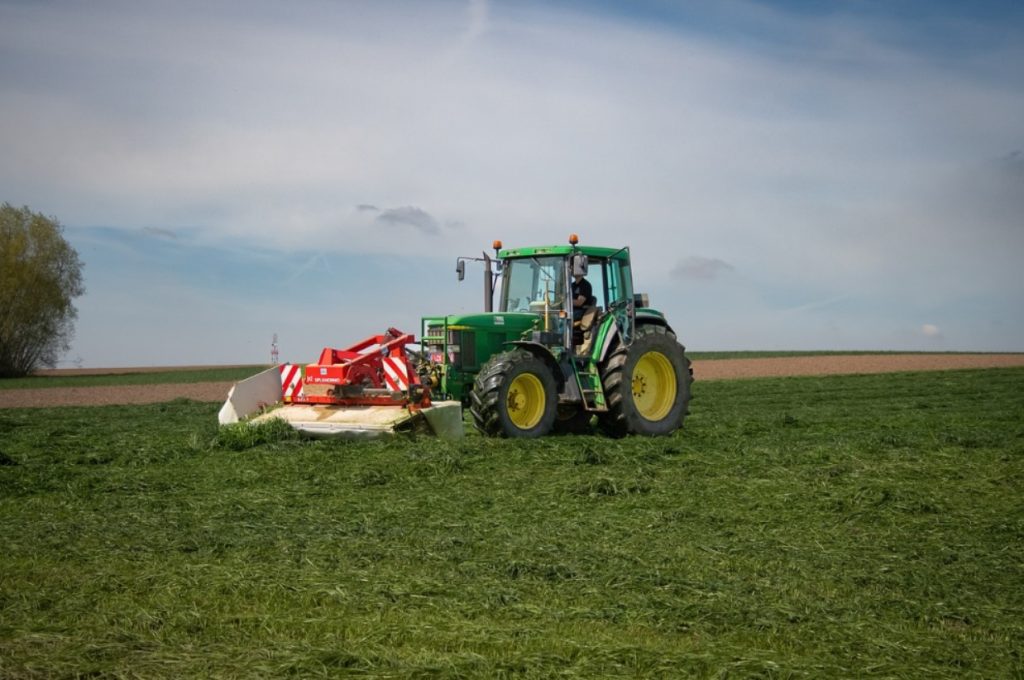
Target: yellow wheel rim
point(526, 401)
point(654, 386)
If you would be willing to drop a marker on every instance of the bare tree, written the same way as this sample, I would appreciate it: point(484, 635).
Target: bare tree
point(40, 275)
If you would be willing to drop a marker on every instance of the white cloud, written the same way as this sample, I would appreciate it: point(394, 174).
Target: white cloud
point(830, 157)
point(160, 233)
point(700, 268)
point(409, 216)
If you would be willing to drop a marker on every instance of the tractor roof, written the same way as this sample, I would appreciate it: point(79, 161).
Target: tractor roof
point(562, 250)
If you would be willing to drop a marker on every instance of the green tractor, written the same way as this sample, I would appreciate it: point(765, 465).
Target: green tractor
point(540, 364)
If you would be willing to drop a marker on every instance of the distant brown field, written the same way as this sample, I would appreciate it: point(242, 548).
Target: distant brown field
point(727, 369)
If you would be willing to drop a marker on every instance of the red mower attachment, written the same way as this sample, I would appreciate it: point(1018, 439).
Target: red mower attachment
point(365, 390)
point(373, 372)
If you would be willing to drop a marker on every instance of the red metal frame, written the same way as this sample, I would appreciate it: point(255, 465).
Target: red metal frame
point(373, 372)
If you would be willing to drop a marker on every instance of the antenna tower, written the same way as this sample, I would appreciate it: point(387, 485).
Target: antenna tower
point(273, 351)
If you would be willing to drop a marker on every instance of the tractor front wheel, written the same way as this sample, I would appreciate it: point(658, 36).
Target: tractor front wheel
point(646, 385)
point(514, 395)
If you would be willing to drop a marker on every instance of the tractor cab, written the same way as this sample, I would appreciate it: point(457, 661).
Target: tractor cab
point(539, 281)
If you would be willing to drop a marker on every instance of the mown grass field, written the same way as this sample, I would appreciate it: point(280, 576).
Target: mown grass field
point(867, 526)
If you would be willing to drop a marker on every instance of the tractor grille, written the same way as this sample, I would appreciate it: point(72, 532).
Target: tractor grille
point(468, 349)
point(455, 348)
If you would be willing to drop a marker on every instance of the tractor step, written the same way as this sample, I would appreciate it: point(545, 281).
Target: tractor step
point(590, 389)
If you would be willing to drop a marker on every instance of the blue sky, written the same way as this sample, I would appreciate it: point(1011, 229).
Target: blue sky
point(789, 175)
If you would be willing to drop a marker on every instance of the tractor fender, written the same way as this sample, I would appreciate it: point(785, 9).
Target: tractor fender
point(647, 319)
point(612, 337)
point(543, 353)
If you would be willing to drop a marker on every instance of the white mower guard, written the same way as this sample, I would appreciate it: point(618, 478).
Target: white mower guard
point(258, 398)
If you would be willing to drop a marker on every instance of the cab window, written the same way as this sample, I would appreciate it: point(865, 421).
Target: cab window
point(528, 282)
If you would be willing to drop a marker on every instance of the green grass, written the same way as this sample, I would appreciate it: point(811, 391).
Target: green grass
point(862, 526)
point(161, 377)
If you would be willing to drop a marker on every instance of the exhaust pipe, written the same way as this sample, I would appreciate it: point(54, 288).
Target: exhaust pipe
point(488, 285)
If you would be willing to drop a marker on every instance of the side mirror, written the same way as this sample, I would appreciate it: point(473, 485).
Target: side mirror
point(641, 300)
point(579, 265)
point(460, 269)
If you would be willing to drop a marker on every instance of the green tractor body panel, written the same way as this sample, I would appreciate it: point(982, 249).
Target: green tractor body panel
point(460, 344)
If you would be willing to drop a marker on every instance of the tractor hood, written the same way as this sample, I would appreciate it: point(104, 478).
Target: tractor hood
point(504, 322)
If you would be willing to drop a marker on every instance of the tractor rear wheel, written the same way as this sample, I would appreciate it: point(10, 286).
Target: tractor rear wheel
point(646, 385)
point(514, 395)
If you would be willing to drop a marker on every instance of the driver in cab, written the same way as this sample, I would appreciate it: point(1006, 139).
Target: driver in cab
point(582, 296)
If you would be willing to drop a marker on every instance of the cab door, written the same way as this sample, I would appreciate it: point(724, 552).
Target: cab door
point(619, 282)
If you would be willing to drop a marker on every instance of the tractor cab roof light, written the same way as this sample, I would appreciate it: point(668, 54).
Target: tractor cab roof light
point(573, 239)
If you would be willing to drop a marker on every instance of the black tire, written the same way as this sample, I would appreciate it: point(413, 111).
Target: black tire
point(654, 400)
point(575, 420)
point(514, 395)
